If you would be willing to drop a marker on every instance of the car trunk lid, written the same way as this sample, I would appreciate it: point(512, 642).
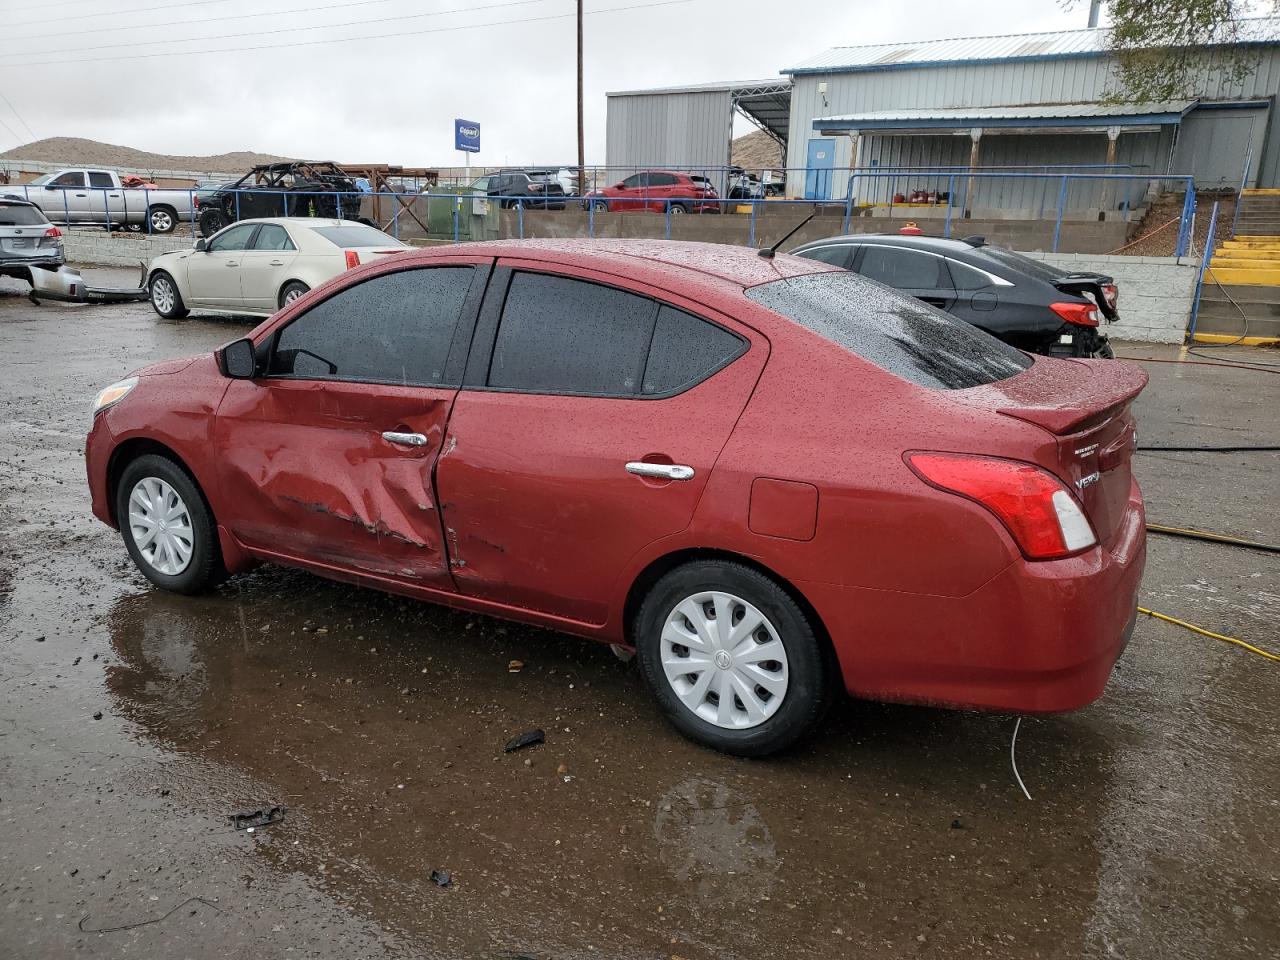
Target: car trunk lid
point(1099, 288)
point(1086, 406)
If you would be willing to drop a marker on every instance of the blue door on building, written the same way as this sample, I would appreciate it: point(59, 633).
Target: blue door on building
point(817, 178)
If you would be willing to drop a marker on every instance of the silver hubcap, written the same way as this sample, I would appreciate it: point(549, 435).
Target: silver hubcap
point(162, 294)
point(293, 294)
point(724, 660)
point(161, 221)
point(160, 525)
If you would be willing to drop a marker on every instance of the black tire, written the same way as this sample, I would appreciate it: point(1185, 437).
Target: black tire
point(211, 221)
point(679, 208)
point(177, 310)
point(809, 671)
point(295, 287)
point(164, 219)
point(204, 567)
point(600, 206)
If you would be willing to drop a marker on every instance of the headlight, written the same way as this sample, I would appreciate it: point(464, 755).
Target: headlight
point(113, 394)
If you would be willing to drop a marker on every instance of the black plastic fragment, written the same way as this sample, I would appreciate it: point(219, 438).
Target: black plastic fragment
point(442, 878)
point(262, 817)
point(527, 739)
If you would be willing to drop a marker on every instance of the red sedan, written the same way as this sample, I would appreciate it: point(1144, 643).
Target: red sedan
point(770, 477)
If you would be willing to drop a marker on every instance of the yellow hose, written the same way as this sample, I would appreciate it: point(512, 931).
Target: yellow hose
point(1209, 633)
point(1213, 537)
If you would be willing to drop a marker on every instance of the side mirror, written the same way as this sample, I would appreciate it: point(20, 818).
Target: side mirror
point(237, 360)
point(199, 245)
point(50, 186)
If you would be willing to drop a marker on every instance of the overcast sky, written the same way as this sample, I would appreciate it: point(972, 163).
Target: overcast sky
point(93, 69)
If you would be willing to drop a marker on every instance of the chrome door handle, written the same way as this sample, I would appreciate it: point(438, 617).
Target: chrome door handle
point(664, 471)
point(275, 263)
point(233, 263)
point(404, 439)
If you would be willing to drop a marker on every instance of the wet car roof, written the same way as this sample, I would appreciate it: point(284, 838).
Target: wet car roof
point(739, 265)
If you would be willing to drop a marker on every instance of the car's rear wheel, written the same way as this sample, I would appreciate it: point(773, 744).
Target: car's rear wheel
point(167, 528)
point(733, 660)
point(291, 291)
point(163, 219)
point(165, 298)
point(599, 206)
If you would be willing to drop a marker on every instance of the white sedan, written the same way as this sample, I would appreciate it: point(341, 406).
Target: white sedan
point(258, 266)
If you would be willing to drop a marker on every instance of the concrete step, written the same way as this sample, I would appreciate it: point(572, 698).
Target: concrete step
point(1222, 262)
point(1242, 294)
point(1261, 191)
point(1233, 326)
point(1251, 243)
point(1255, 313)
point(1247, 275)
point(1264, 255)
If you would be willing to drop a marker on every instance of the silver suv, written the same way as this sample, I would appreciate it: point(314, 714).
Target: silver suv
point(27, 240)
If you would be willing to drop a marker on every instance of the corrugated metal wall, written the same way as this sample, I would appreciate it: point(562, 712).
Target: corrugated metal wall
point(686, 130)
point(1068, 80)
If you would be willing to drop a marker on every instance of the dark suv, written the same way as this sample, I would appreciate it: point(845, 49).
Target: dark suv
point(1027, 303)
point(521, 188)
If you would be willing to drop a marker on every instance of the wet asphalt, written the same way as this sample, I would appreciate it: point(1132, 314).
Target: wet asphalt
point(133, 723)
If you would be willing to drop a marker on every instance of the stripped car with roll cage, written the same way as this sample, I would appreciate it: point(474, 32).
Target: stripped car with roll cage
point(291, 188)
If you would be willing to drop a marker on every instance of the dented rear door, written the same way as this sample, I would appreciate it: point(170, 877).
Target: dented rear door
point(329, 457)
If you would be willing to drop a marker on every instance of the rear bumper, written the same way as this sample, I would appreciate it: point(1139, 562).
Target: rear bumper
point(1038, 637)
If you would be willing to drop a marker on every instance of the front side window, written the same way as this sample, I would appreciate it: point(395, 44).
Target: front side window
point(72, 178)
point(272, 236)
point(395, 328)
point(904, 269)
point(636, 180)
point(895, 332)
point(233, 238)
point(560, 335)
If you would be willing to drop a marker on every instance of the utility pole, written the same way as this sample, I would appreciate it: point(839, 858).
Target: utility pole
point(582, 149)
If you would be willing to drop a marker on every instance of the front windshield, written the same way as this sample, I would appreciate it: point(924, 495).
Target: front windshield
point(43, 178)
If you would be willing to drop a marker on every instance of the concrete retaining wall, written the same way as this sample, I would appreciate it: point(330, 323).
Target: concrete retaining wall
point(118, 249)
point(1156, 293)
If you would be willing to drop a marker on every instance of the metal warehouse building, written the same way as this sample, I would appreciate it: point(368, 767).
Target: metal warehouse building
point(1027, 101)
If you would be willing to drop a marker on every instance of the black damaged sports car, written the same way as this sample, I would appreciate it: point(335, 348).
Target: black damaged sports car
point(1026, 303)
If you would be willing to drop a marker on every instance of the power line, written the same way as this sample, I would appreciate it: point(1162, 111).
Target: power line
point(290, 29)
point(314, 43)
point(184, 23)
point(109, 13)
point(11, 133)
point(24, 123)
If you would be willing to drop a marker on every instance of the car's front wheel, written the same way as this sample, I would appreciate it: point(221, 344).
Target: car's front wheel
point(733, 660)
point(599, 206)
point(167, 528)
point(165, 298)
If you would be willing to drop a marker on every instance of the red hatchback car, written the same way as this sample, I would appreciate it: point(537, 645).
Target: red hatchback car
point(658, 190)
point(770, 477)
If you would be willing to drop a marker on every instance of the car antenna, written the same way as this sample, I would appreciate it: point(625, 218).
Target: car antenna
point(768, 252)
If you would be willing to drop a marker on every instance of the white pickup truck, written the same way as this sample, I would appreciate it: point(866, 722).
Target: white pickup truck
point(80, 195)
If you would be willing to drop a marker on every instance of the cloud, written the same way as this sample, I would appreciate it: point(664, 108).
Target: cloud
point(393, 99)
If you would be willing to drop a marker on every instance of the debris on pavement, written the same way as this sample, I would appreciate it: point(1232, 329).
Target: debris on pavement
point(527, 739)
point(515, 666)
point(143, 923)
point(262, 817)
point(442, 878)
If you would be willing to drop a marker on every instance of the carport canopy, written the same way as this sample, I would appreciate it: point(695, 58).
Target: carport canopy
point(1041, 118)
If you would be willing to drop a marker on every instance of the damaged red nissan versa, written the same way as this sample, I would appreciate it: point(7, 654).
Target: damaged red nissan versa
point(771, 477)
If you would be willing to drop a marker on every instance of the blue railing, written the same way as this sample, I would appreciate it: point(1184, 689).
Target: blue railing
point(153, 211)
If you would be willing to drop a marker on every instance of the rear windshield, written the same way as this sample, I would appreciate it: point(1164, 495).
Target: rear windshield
point(20, 215)
point(1033, 268)
point(895, 332)
point(356, 235)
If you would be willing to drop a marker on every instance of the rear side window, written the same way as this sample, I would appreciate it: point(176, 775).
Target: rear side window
point(560, 335)
point(904, 269)
point(895, 332)
point(20, 215)
point(100, 180)
point(838, 255)
point(356, 235)
point(396, 328)
point(965, 277)
point(1025, 265)
point(686, 349)
point(272, 236)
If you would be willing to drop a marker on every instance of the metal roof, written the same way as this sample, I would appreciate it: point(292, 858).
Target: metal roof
point(766, 103)
point(1024, 115)
point(1090, 42)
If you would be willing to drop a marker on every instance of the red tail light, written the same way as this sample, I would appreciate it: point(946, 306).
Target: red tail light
point(1035, 506)
point(353, 258)
point(1081, 314)
point(53, 232)
point(1112, 293)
